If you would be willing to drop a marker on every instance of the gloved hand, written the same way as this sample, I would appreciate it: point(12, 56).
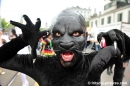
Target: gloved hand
point(30, 32)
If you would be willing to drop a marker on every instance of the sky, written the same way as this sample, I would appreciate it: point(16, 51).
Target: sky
point(46, 10)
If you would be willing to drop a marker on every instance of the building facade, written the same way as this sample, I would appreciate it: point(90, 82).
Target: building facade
point(115, 12)
point(86, 13)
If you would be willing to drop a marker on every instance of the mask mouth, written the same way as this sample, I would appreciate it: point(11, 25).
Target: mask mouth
point(67, 56)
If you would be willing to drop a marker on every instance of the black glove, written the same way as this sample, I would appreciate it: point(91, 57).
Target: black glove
point(30, 32)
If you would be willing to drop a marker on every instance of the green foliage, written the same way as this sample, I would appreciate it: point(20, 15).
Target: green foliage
point(87, 23)
point(41, 29)
point(5, 25)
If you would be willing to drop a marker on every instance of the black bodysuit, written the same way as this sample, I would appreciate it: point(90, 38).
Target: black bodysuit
point(49, 71)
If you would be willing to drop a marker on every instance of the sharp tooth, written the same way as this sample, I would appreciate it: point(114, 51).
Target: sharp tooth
point(115, 45)
point(121, 56)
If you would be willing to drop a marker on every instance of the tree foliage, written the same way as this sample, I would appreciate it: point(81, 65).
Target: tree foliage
point(41, 29)
point(87, 23)
point(5, 25)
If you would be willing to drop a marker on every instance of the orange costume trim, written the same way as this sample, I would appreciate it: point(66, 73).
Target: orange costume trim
point(44, 42)
point(48, 53)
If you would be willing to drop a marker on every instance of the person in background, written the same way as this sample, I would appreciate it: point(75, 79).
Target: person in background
point(97, 45)
point(25, 50)
point(3, 39)
point(87, 42)
point(47, 49)
point(88, 39)
point(13, 34)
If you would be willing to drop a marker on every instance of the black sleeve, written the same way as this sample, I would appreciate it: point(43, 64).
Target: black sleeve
point(21, 63)
point(100, 61)
point(90, 57)
point(11, 60)
point(10, 49)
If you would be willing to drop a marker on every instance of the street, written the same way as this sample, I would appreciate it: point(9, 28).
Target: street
point(107, 80)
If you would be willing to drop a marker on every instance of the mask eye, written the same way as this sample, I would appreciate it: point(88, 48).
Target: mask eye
point(58, 34)
point(75, 34)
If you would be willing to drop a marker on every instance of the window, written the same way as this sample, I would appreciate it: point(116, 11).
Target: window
point(119, 17)
point(128, 1)
point(91, 24)
point(107, 5)
point(96, 22)
point(102, 21)
point(114, 3)
point(129, 16)
point(109, 20)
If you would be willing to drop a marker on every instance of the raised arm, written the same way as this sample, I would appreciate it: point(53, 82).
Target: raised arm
point(9, 58)
point(100, 62)
point(30, 36)
point(30, 32)
point(122, 41)
point(10, 49)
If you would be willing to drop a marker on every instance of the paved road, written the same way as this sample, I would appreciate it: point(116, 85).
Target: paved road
point(5, 80)
point(109, 78)
point(9, 74)
point(105, 78)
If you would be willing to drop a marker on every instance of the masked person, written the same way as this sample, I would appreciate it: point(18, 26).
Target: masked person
point(69, 67)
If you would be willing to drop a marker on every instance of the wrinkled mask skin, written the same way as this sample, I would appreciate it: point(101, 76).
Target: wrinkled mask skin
point(69, 37)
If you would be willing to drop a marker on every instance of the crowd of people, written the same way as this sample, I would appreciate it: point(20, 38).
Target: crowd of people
point(91, 43)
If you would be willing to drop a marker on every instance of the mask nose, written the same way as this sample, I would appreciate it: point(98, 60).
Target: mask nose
point(67, 46)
